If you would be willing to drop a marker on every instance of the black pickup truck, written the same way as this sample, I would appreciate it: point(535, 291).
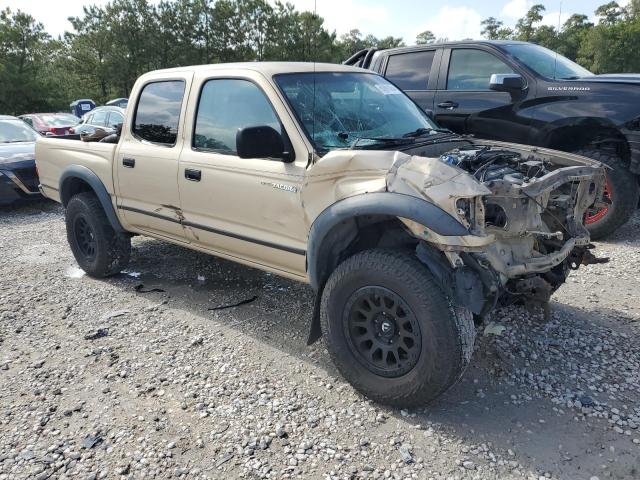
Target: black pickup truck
point(524, 93)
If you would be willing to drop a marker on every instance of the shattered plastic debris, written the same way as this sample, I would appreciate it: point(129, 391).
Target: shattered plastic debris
point(99, 333)
point(131, 274)
point(405, 454)
point(115, 314)
point(91, 441)
point(224, 459)
point(74, 272)
point(237, 304)
point(493, 328)
point(141, 289)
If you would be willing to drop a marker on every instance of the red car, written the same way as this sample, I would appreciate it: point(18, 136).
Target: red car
point(51, 123)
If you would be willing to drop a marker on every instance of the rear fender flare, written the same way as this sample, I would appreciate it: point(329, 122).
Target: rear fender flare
point(88, 176)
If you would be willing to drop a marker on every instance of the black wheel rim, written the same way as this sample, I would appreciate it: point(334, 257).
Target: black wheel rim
point(85, 238)
point(382, 331)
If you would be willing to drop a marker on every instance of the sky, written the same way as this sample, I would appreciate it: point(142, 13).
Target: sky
point(452, 19)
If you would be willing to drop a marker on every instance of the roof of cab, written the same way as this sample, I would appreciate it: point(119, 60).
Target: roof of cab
point(427, 46)
point(267, 68)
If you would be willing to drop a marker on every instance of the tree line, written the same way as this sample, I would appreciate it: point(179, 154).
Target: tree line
point(108, 47)
point(609, 45)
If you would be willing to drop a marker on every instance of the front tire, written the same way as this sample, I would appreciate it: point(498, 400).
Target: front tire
point(391, 331)
point(621, 192)
point(98, 248)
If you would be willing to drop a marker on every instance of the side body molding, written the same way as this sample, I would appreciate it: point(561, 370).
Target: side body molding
point(83, 173)
point(379, 203)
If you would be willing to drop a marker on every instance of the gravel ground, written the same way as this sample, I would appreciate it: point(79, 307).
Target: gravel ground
point(144, 375)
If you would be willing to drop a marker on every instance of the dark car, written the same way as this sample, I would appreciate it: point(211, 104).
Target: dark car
point(524, 93)
point(18, 177)
point(51, 123)
point(118, 102)
point(106, 118)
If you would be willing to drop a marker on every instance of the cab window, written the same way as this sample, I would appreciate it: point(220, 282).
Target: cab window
point(115, 119)
point(226, 106)
point(471, 69)
point(158, 112)
point(99, 118)
point(410, 71)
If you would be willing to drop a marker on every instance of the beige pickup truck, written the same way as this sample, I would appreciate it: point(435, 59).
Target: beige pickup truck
point(330, 175)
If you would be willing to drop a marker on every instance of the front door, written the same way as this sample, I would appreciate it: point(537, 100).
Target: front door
point(246, 209)
point(465, 104)
point(147, 159)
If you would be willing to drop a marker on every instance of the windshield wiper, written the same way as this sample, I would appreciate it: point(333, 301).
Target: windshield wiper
point(425, 131)
point(569, 78)
point(390, 140)
point(384, 140)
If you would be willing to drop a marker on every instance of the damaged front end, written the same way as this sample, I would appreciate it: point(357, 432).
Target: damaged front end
point(523, 208)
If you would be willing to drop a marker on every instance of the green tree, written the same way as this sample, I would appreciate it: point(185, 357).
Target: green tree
point(547, 36)
point(525, 28)
point(490, 28)
point(573, 34)
point(23, 60)
point(109, 46)
point(610, 46)
point(609, 13)
point(425, 38)
point(494, 29)
point(386, 42)
point(89, 49)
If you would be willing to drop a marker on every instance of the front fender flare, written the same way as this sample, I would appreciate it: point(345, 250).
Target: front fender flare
point(88, 176)
point(379, 203)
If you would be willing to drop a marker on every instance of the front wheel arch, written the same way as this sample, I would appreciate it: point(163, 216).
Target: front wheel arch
point(340, 217)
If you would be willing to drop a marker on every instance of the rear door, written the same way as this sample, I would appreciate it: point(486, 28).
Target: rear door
point(416, 73)
point(146, 162)
point(465, 104)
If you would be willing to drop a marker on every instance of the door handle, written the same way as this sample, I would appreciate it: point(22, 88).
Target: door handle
point(192, 174)
point(448, 105)
point(129, 162)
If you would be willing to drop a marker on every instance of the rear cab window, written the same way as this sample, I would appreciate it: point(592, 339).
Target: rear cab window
point(157, 113)
point(410, 71)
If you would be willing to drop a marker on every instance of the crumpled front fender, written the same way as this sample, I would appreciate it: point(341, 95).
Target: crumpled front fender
point(406, 207)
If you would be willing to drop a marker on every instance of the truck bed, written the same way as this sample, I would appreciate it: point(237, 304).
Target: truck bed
point(54, 154)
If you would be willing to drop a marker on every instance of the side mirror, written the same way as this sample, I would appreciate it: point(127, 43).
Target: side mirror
point(261, 142)
point(507, 82)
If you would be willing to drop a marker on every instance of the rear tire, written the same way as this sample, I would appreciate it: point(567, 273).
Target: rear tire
point(410, 301)
point(98, 248)
point(622, 185)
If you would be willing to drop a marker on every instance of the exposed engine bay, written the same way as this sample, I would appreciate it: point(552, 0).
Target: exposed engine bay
point(523, 207)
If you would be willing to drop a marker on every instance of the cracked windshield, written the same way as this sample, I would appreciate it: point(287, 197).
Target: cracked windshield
point(353, 110)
